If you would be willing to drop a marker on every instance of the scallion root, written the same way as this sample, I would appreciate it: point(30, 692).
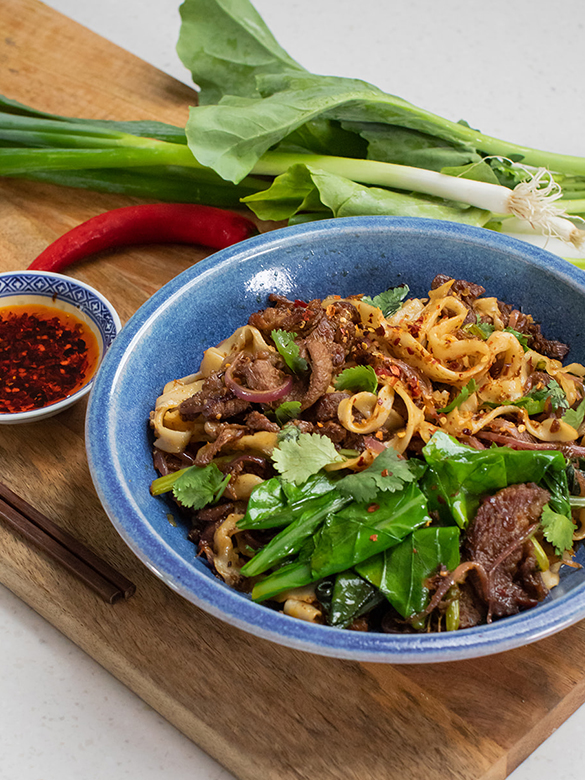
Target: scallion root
point(533, 200)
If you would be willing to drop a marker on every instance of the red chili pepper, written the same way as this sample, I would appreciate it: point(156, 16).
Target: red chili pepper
point(152, 223)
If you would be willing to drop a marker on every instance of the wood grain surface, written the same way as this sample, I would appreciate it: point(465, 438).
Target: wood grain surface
point(263, 711)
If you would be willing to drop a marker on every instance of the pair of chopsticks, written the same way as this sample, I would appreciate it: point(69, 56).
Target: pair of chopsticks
point(55, 542)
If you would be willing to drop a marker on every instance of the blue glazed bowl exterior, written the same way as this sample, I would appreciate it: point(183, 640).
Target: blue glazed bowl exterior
point(165, 340)
point(63, 292)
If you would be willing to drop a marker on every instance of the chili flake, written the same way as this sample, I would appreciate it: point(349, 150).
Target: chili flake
point(46, 355)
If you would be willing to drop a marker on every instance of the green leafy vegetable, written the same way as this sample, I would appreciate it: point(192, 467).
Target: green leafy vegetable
point(388, 472)
point(401, 571)
point(557, 529)
point(289, 541)
point(466, 391)
point(275, 503)
point(306, 191)
point(459, 475)
point(292, 575)
point(352, 596)
point(390, 301)
point(357, 378)
point(298, 459)
point(285, 344)
point(287, 411)
point(261, 115)
point(364, 529)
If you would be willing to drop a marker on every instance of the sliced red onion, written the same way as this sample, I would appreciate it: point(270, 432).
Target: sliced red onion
point(257, 396)
point(375, 445)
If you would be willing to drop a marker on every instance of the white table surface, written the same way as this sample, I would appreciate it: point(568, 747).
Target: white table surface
point(513, 68)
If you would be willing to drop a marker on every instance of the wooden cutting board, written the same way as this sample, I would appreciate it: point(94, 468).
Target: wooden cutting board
point(262, 710)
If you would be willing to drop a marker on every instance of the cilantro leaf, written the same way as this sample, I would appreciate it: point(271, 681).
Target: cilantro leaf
point(357, 378)
point(290, 432)
point(576, 416)
point(289, 351)
point(388, 472)
point(287, 411)
point(297, 460)
point(198, 486)
point(466, 391)
point(479, 329)
point(483, 330)
point(557, 529)
point(535, 401)
point(390, 301)
point(520, 336)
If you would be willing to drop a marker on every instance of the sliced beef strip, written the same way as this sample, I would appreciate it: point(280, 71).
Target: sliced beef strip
point(472, 611)
point(259, 373)
point(326, 407)
point(466, 292)
point(214, 401)
point(287, 315)
point(227, 435)
point(524, 323)
point(259, 422)
point(493, 541)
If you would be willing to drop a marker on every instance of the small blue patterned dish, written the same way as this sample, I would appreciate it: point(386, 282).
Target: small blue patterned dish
point(166, 337)
point(65, 297)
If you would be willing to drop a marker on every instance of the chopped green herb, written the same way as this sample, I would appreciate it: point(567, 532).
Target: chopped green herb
point(535, 401)
point(357, 378)
point(297, 460)
point(390, 301)
point(388, 472)
point(194, 487)
point(479, 329)
point(483, 330)
point(466, 391)
point(520, 336)
point(287, 412)
point(576, 416)
point(557, 529)
point(289, 350)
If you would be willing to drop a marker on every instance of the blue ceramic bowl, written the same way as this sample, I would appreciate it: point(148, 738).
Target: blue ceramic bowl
point(67, 295)
point(165, 339)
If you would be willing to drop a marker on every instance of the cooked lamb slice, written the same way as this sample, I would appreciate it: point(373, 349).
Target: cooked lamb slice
point(214, 401)
point(294, 317)
point(467, 291)
point(497, 541)
point(227, 434)
point(259, 422)
point(525, 324)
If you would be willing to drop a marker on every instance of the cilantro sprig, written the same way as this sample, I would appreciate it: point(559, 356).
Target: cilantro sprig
point(357, 378)
point(557, 529)
point(297, 458)
point(483, 330)
point(388, 472)
point(466, 391)
point(536, 400)
point(576, 416)
point(390, 301)
point(194, 487)
point(287, 411)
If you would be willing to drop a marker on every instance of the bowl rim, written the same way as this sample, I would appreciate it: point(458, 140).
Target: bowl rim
point(32, 415)
point(227, 604)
